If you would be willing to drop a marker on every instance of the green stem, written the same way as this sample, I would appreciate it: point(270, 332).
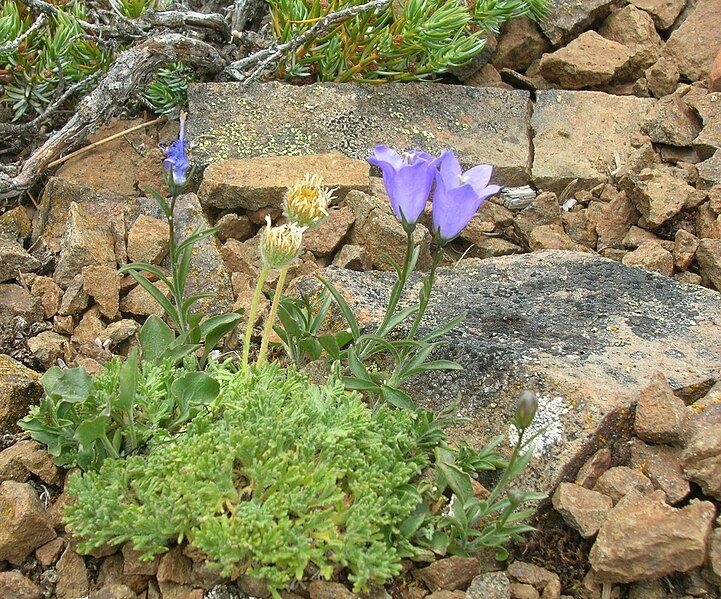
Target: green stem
point(425, 295)
point(251, 316)
point(268, 328)
point(109, 446)
point(498, 489)
point(173, 254)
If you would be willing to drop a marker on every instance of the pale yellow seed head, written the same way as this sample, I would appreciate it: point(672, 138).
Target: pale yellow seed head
point(280, 245)
point(306, 203)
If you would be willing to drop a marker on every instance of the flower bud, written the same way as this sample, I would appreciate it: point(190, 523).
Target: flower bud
point(306, 203)
point(515, 497)
point(279, 246)
point(525, 409)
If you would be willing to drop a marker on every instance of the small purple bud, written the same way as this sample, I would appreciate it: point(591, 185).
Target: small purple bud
point(176, 161)
point(525, 409)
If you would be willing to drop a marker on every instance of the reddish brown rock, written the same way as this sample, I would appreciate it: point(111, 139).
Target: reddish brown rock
point(323, 239)
point(594, 467)
point(25, 522)
point(353, 257)
point(49, 553)
point(133, 565)
point(580, 225)
point(553, 237)
point(175, 567)
point(520, 43)
point(139, 301)
point(701, 460)
point(234, 226)
point(651, 256)
point(714, 556)
point(450, 574)
point(27, 457)
point(661, 417)
point(658, 194)
point(614, 222)
point(645, 538)
point(618, 481)
point(19, 389)
point(581, 508)
point(322, 589)
point(14, 260)
point(14, 585)
point(672, 122)
point(544, 210)
point(714, 83)
point(102, 283)
point(113, 591)
point(661, 464)
point(73, 577)
point(148, 240)
point(527, 573)
point(693, 46)
point(50, 295)
point(685, 245)
point(589, 60)
point(708, 256)
point(662, 77)
point(663, 12)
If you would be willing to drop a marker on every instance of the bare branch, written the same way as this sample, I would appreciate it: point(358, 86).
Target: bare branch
point(269, 57)
point(175, 19)
point(15, 44)
point(132, 69)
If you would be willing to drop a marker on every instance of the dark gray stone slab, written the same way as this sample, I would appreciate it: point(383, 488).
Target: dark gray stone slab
point(566, 19)
point(584, 332)
point(483, 125)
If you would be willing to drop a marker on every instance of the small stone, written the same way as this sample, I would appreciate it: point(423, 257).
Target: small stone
point(581, 508)
point(701, 460)
point(322, 589)
point(615, 221)
point(662, 77)
point(520, 43)
point(89, 328)
point(532, 574)
point(636, 236)
point(148, 240)
point(19, 389)
point(113, 591)
point(589, 60)
point(685, 245)
point(73, 579)
point(672, 122)
point(119, 331)
point(644, 538)
point(15, 224)
point(450, 574)
point(489, 247)
point(647, 589)
point(663, 12)
point(14, 585)
point(580, 225)
point(27, 457)
point(15, 260)
point(651, 256)
point(133, 565)
point(708, 222)
point(552, 237)
point(138, 301)
point(353, 257)
point(552, 590)
point(544, 210)
point(253, 183)
point(253, 587)
point(446, 595)
point(102, 283)
point(708, 256)
point(618, 481)
point(323, 239)
point(86, 242)
point(25, 522)
point(75, 299)
point(594, 467)
point(49, 553)
point(48, 347)
point(661, 464)
point(688, 278)
point(566, 19)
point(714, 555)
point(658, 194)
point(234, 226)
point(50, 295)
point(491, 585)
point(523, 591)
point(175, 567)
point(660, 416)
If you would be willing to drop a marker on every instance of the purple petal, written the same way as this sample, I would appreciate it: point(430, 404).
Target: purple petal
point(408, 190)
point(478, 176)
point(450, 169)
point(386, 155)
point(453, 208)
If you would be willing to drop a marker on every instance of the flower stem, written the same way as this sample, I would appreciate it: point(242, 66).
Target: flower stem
point(251, 316)
point(268, 328)
point(425, 295)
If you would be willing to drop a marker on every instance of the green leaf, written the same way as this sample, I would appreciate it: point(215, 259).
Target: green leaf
point(355, 384)
point(411, 524)
point(128, 383)
point(397, 397)
point(194, 388)
point(72, 385)
point(216, 327)
point(92, 429)
point(157, 296)
point(139, 267)
point(452, 476)
point(161, 201)
point(155, 338)
point(348, 315)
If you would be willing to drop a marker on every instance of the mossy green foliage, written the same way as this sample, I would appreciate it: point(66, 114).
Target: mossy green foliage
point(276, 476)
point(406, 41)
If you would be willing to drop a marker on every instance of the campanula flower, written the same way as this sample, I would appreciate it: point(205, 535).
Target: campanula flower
point(306, 202)
point(280, 245)
point(408, 179)
point(458, 195)
point(176, 161)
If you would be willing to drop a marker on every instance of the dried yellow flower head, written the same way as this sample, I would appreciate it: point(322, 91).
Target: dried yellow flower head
point(280, 245)
point(306, 203)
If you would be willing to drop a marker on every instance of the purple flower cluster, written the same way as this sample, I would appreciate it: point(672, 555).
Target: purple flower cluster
point(176, 161)
point(408, 179)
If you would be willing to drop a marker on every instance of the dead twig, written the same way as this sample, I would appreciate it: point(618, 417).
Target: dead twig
point(132, 69)
point(269, 57)
point(176, 19)
point(15, 44)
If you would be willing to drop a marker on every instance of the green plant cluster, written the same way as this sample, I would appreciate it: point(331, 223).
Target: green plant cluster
point(60, 54)
point(405, 41)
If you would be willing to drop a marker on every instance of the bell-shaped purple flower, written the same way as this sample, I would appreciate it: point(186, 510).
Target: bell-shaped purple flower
point(408, 179)
point(176, 161)
point(458, 195)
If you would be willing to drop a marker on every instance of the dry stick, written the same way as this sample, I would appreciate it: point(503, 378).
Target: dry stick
point(105, 140)
point(15, 44)
point(269, 56)
point(132, 69)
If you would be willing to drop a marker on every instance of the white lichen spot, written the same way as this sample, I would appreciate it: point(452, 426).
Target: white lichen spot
point(548, 422)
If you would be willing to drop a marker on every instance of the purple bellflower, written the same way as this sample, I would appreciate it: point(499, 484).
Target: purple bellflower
point(176, 161)
point(408, 179)
point(458, 195)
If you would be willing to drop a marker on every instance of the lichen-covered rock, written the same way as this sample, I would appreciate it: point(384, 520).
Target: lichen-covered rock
point(148, 240)
point(490, 585)
point(672, 122)
point(520, 43)
point(581, 508)
point(19, 389)
point(658, 194)
point(708, 256)
point(660, 416)
point(565, 19)
point(25, 522)
point(482, 125)
point(586, 327)
point(618, 481)
point(701, 460)
point(15, 585)
point(48, 347)
point(662, 465)
point(15, 260)
point(644, 538)
point(73, 576)
point(325, 238)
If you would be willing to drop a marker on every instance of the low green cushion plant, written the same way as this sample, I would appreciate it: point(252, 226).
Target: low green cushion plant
point(277, 475)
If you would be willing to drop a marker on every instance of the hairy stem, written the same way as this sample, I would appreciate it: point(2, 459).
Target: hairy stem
point(251, 316)
point(425, 295)
point(268, 328)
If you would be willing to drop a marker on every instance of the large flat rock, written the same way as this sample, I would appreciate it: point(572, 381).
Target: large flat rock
point(584, 332)
point(577, 135)
point(483, 125)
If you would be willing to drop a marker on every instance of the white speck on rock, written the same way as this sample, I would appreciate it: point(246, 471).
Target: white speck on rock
point(547, 424)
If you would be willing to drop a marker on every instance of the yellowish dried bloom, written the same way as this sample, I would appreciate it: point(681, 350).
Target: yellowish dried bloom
point(280, 245)
point(306, 203)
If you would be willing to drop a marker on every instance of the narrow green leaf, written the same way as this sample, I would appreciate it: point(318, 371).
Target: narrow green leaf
point(397, 397)
point(345, 309)
point(155, 338)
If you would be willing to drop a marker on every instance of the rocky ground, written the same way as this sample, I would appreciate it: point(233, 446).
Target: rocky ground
point(611, 113)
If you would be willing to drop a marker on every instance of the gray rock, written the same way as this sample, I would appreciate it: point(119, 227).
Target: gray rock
point(15, 260)
point(581, 330)
point(483, 125)
point(491, 585)
point(578, 134)
point(565, 19)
